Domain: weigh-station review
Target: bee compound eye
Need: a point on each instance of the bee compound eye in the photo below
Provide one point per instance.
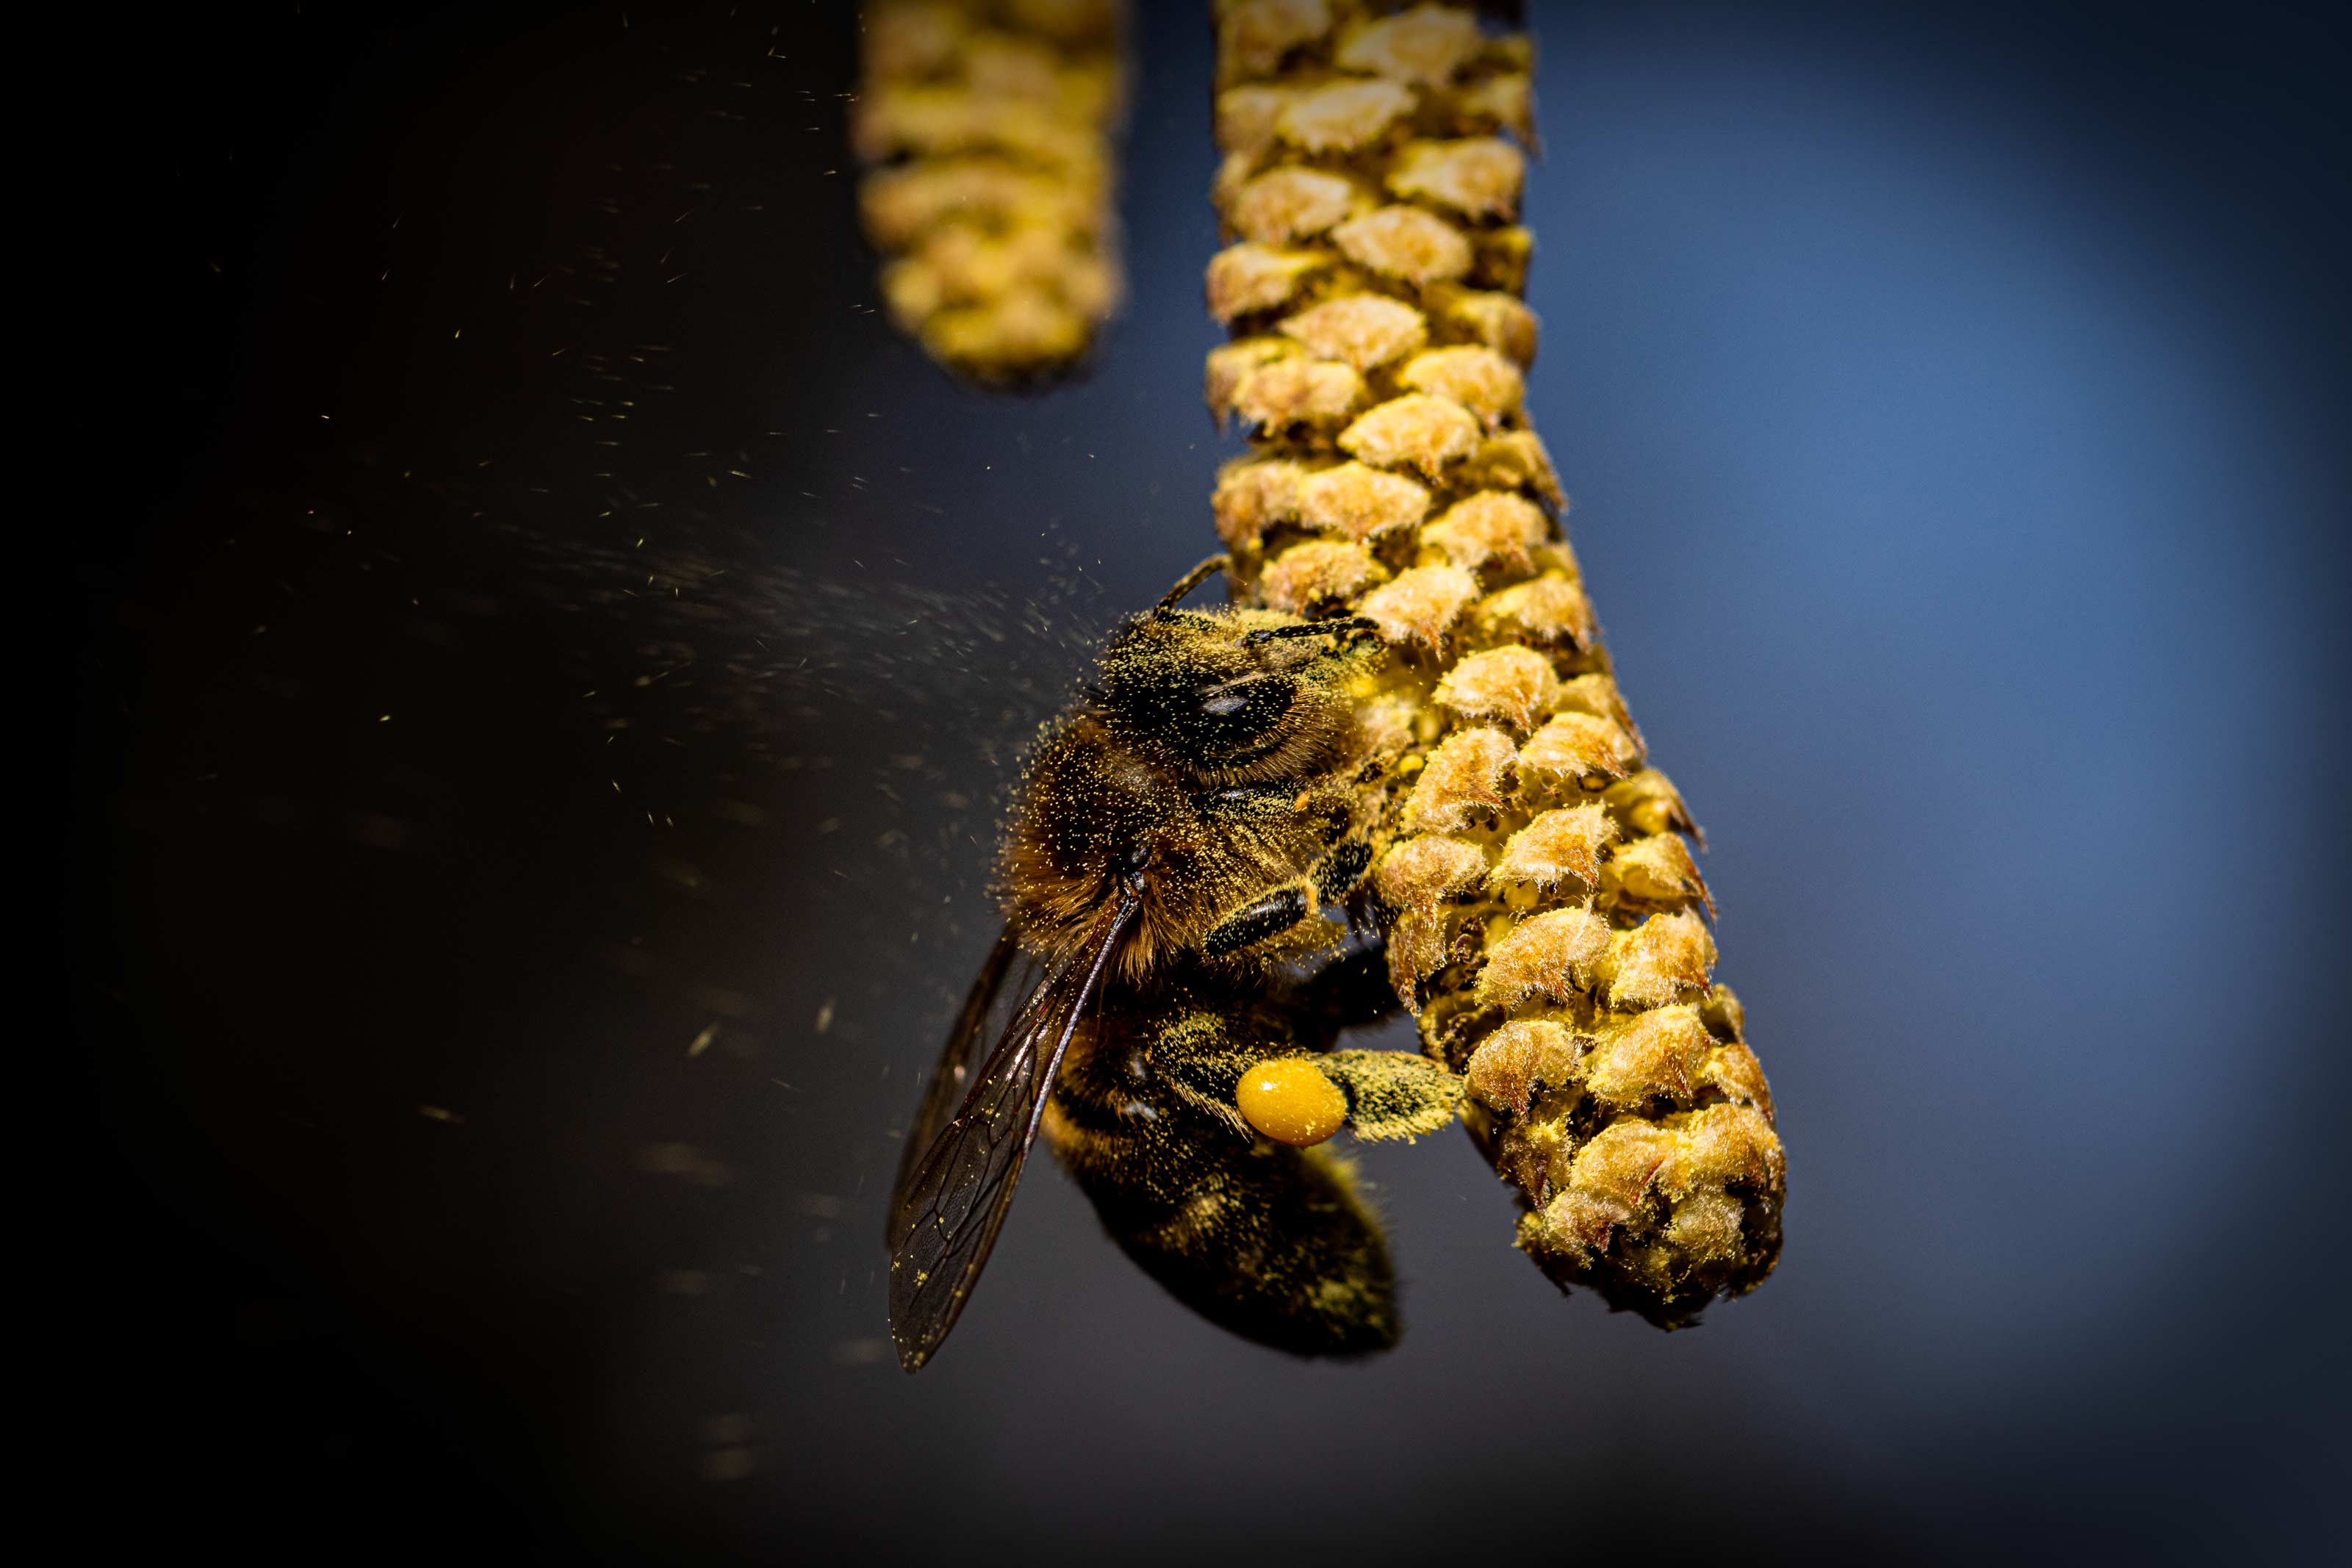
(1290, 1100)
(1223, 704)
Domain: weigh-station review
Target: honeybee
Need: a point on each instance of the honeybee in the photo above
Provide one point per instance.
(1156, 1002)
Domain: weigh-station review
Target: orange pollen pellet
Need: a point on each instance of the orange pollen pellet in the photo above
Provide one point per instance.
(1291, 1102)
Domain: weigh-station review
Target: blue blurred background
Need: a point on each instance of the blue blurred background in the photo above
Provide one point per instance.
(549, 680)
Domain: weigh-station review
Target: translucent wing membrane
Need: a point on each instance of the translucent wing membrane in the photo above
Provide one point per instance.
(947, 1215)
(1005, 983)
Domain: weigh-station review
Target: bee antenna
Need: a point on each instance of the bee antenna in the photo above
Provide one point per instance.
(1189, 581)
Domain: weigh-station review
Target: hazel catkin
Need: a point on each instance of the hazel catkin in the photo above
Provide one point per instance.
(1546, 921)
(986, 129)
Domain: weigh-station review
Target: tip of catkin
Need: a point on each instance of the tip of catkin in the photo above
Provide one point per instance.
(1647, 1144)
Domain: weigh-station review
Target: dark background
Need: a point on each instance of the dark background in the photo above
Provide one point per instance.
(534, 617)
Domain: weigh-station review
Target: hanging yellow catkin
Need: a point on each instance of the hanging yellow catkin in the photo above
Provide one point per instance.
(986, 128)
(1546, 921)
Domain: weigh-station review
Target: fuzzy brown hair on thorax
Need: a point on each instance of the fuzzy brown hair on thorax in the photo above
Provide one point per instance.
(1216, 763)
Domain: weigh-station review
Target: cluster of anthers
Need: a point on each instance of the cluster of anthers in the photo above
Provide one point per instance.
(1546, 920)
(987, 127)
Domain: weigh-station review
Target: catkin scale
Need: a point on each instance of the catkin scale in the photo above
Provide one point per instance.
(1546, 922)
(985, 128)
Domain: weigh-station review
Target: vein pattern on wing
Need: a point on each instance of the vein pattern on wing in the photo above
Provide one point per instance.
(948, 1217)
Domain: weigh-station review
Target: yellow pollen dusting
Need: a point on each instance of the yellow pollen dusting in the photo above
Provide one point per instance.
(1497, 320)
(1360, 502)
(1421, 604)
(1405, 243)
(1364, 329)
(1342, 115)
(1480, 177)
(1299, 391)
(1416, 431)
(1290, 204)
(1251, 276)
(1479, 378)
(1253, 36)
(1229, 366)
(1308, 578)
(1427, 45)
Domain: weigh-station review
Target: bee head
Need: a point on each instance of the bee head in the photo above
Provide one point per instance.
(1237, 695)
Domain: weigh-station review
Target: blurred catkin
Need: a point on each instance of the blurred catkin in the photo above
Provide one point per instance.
(985, 127)
(1546, 921)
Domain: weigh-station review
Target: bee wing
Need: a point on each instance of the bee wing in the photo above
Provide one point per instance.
(946, 1216)
(1006, 981)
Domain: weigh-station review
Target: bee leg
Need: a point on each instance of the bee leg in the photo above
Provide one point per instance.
(1202, 1059)
(1329, 881)
(1393, 1094)
(1343, 869)
(1267, 916)
(1205, 1058)
(1268, 1240)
